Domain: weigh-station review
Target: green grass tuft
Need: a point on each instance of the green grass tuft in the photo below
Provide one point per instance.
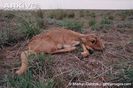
(28, 28)
(71, 25)
(39, 65)
(105, 21)
(92, 22)
(129, 75)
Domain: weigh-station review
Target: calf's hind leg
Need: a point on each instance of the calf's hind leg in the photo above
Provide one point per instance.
(24, 62)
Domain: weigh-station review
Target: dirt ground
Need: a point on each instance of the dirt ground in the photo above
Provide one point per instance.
(106, 66)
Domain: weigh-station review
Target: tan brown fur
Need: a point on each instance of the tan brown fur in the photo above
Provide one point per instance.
(59, 40)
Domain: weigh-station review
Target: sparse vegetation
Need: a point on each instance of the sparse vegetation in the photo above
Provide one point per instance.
(105, 20)
(114, 65)
(39, 65)
(3, 37)
(94, 25)
(57, 14)
(29, 29)
(20, 26)
(41, 22)
(7, 37)
(104, 23)
(111, 17)
(124, 25)
(129, 75)
(92, 15)
(33, 25)
(92, 22)
(8, 15)
(71, 25)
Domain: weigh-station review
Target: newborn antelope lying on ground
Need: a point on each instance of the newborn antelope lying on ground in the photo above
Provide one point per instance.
(59, 40)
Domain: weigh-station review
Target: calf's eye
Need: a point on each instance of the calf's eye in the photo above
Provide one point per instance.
(93, 41)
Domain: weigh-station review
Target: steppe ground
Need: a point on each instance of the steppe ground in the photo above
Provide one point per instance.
(113, 65)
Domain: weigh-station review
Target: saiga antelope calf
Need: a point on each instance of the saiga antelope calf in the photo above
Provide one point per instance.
(59, 40)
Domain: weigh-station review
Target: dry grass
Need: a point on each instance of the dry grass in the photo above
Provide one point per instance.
(114, 64)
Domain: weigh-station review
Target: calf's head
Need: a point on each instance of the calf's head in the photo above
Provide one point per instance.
(92, 42)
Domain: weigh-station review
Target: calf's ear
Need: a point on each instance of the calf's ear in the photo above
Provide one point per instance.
(83, 39)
